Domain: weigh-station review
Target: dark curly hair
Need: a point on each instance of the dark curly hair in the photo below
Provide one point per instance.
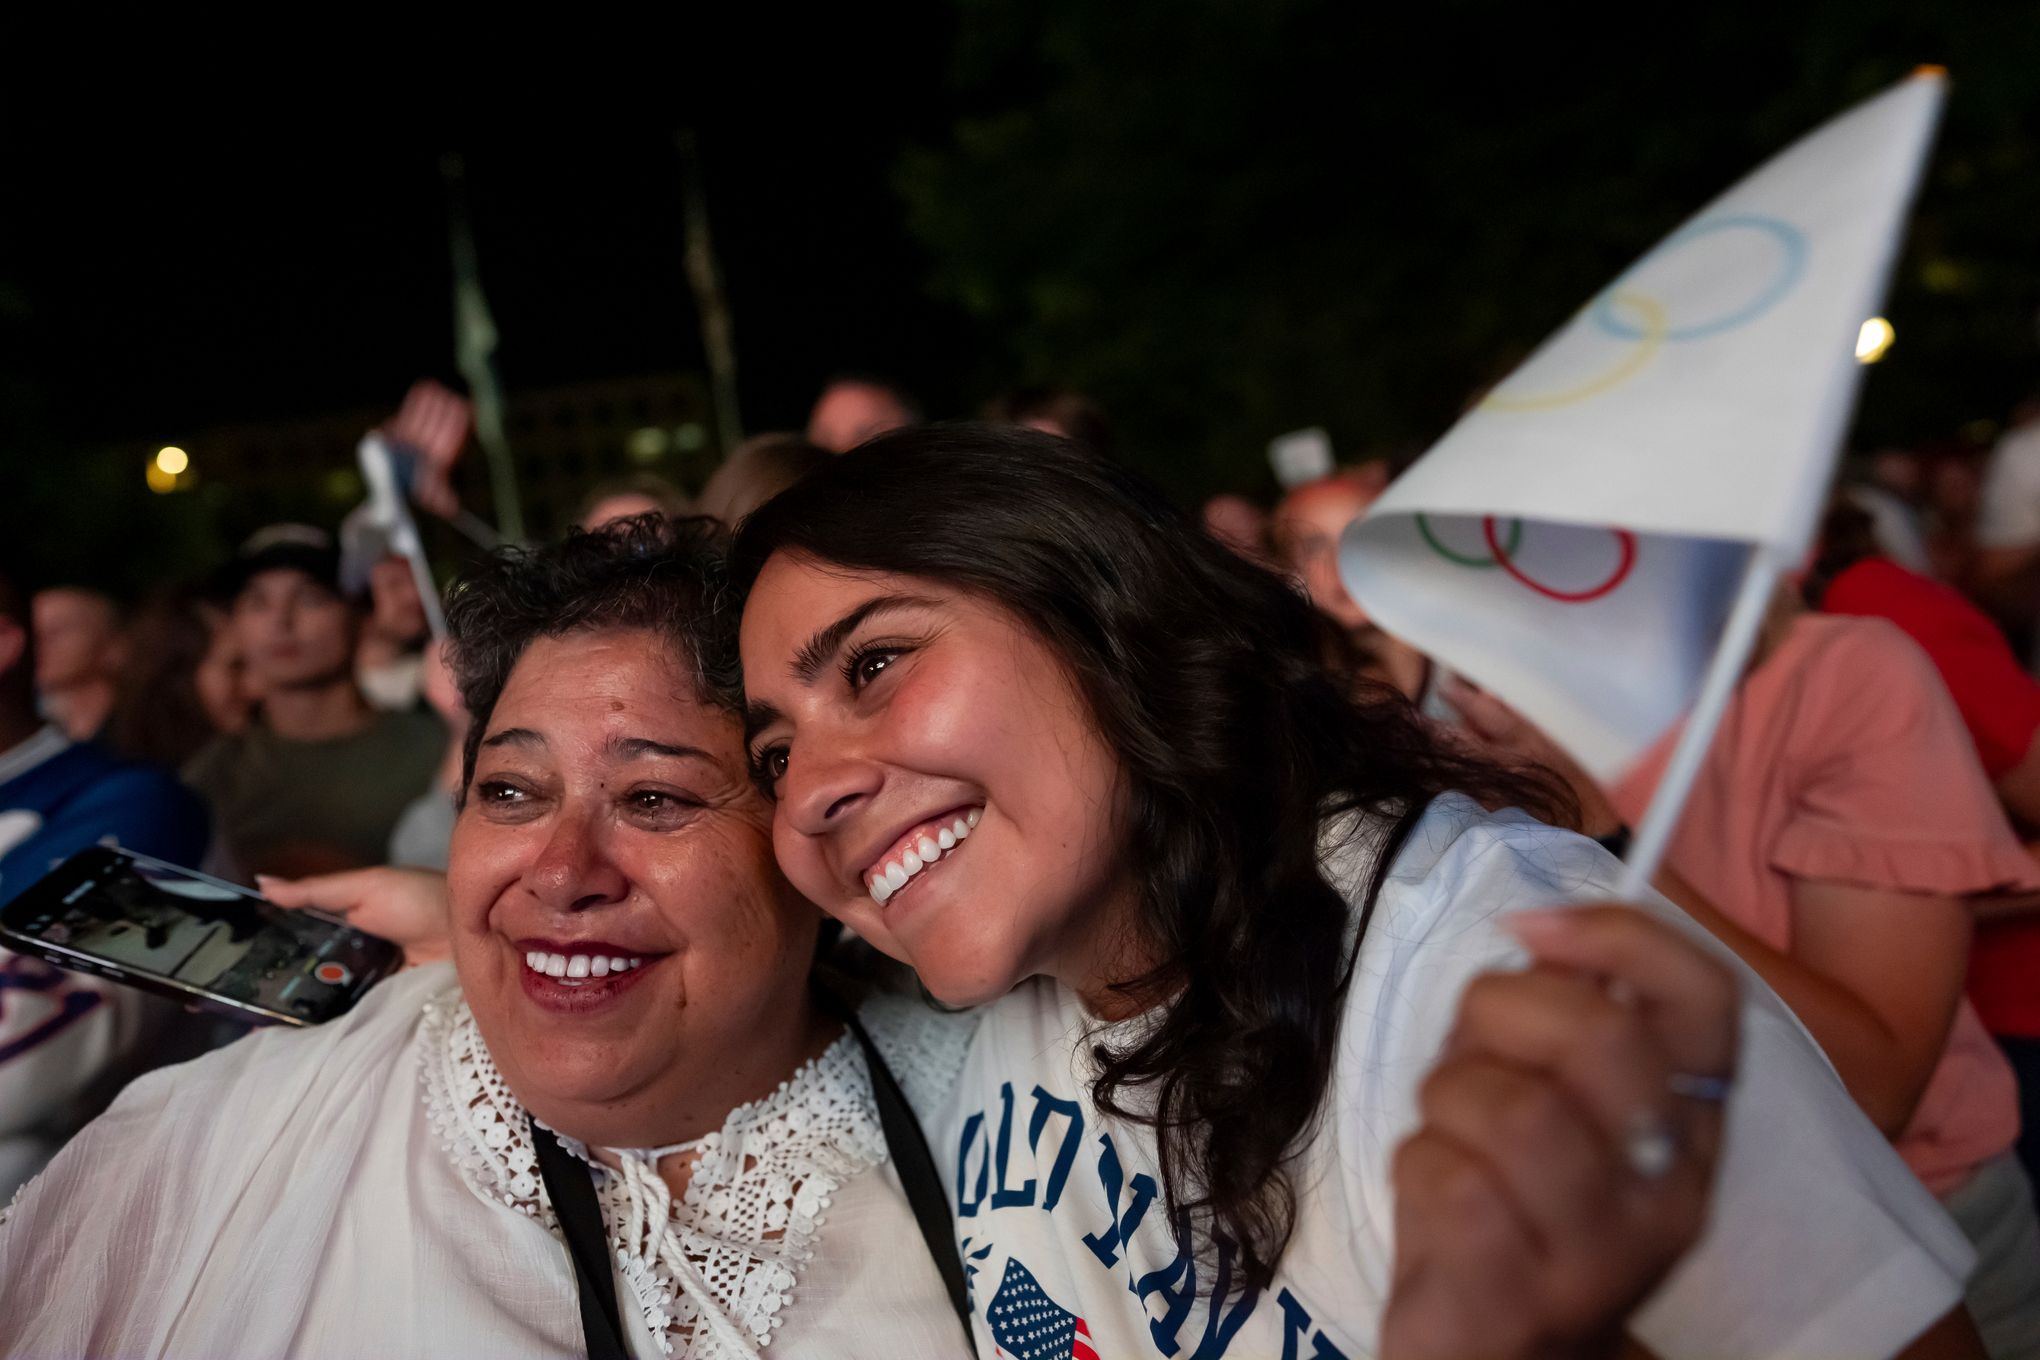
(1205, 674)
(668, 577)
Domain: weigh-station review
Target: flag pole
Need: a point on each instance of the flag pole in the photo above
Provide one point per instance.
(711, 303)
(1738, 636)
(474, 339)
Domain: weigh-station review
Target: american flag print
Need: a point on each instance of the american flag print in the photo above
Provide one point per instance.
(1029, 1325)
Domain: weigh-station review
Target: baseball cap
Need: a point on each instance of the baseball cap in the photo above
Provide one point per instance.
(296, 547)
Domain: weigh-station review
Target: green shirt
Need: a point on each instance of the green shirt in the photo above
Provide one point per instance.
(299, 807)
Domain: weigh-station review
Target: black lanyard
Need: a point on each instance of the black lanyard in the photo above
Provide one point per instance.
(571, 1187)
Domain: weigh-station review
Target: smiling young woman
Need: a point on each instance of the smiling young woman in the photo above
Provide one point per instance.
(949, 724)
(1238, 937)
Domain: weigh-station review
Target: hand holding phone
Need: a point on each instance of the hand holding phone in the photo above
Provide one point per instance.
(196, 939)
(407, 907)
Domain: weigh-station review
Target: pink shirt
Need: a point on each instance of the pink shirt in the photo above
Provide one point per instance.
(1843, 758)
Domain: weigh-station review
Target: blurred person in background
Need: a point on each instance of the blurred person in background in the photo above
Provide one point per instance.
(389, 658)
(1900, 473)
(1239, 524)
(1999, 702)
(2000, 708)
(757, 470)
(1895, 522)
(1954, 510)
(1060, 411)
(160, 714)
(639, 493)
(317, 782)
(855, 407)
(230, 693)
(80, 647)
(64, 1037)
(2004, 574)
(424, 831)
(1305, 531)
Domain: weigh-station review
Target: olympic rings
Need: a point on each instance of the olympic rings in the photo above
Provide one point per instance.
(1624, 540)
(1652, 336)
(1503, 555)
(1654, 330)
(1791, 242)
(1467, 559)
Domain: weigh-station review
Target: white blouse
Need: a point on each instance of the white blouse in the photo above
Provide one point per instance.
(370, 1187)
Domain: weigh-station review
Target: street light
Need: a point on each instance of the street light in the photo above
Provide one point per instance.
(1873, 340)
(166, 469)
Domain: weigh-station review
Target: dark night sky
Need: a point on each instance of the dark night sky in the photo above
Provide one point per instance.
(181, 249)
(285, 254)
(189, 272)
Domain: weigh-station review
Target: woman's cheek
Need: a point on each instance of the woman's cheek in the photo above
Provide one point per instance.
(932, 725)
(482, 860)
(800, 860)
(722, 885)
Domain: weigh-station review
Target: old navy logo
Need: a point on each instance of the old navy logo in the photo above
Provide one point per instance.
(985, 1183)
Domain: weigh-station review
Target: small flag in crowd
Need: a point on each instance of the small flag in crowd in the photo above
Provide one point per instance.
(1575, 541)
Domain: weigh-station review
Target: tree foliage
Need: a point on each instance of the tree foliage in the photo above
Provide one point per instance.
(1230, 218)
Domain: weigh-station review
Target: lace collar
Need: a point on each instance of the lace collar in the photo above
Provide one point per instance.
(710, 1272)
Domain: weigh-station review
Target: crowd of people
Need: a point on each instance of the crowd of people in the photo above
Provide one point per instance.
(924, 893)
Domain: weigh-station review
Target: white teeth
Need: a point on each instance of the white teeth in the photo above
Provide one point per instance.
(973, 815)
(924, 851)
(576, 966)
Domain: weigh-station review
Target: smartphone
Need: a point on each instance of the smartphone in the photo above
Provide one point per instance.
(196, 939)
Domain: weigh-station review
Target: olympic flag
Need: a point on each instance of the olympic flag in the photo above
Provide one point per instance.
(1612, 516)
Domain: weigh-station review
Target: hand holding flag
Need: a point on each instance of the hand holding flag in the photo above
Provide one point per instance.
(433, 423)
(1602, 533)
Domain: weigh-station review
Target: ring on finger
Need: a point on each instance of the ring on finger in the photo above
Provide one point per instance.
(1651, 1149)
(1694, 1086)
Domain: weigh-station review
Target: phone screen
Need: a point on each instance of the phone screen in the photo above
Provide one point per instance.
(168, 929)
